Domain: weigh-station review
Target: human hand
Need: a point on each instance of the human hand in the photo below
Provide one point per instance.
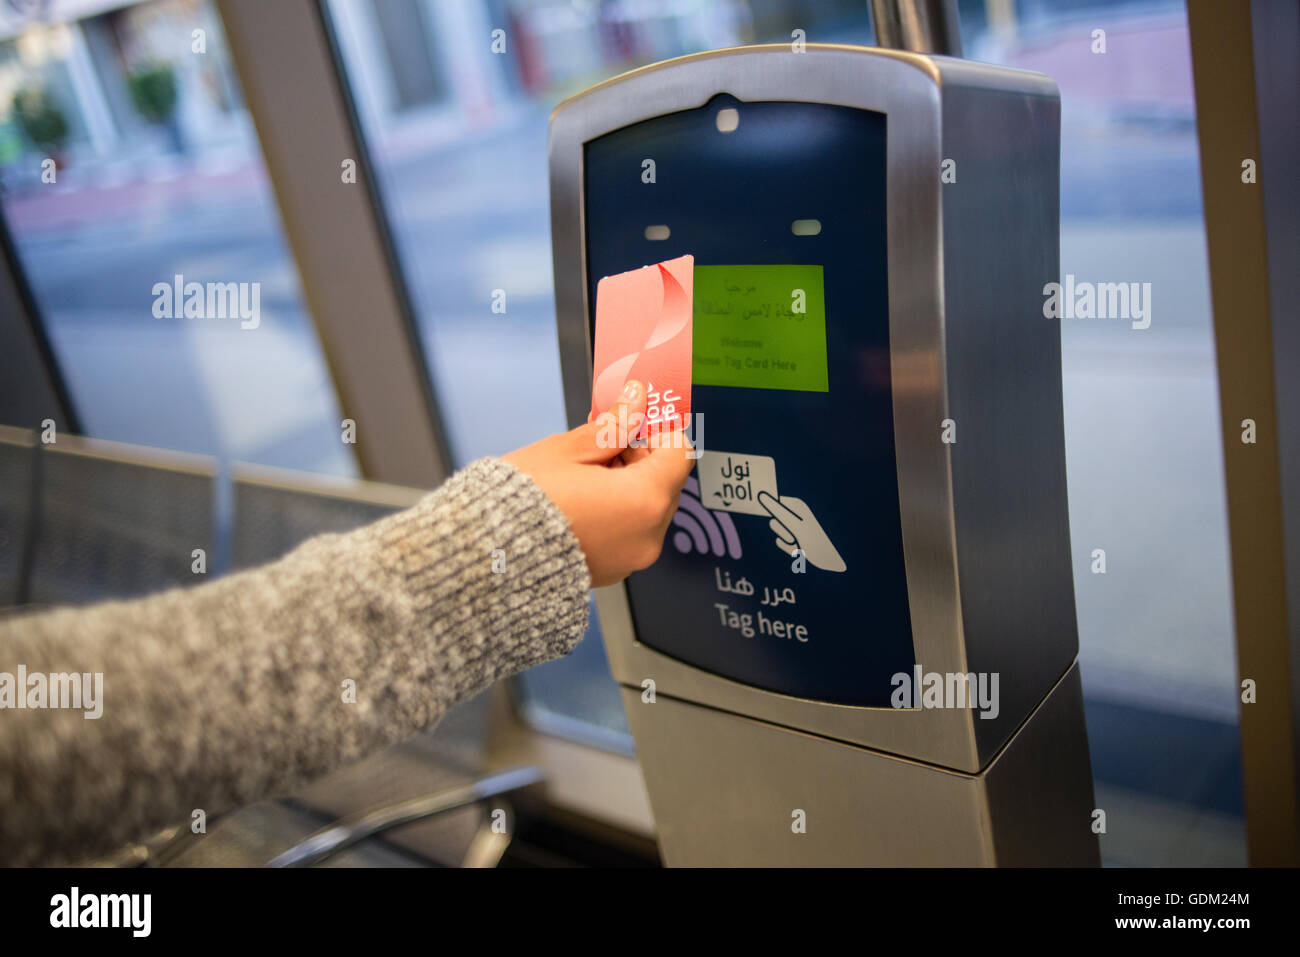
(618, 499)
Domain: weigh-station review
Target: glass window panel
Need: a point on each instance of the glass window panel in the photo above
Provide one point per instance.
(129, 164)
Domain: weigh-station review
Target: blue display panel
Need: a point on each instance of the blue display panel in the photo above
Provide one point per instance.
(782, 468)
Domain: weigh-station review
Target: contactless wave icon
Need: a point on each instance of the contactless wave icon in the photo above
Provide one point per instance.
(702, 530)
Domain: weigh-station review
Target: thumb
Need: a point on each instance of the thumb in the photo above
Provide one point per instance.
(669, 458)
(608, 435)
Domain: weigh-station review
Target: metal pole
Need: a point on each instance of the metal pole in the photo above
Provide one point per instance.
(921, 26)
(1241, 59)
(344, 833)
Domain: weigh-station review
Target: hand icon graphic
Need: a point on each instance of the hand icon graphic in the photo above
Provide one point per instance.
(796, 527)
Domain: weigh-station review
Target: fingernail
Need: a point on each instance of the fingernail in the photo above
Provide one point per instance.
(631, 389)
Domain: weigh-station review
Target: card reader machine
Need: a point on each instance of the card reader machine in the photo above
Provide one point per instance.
(859, 644)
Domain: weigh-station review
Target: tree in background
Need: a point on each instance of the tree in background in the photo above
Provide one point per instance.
(153, 91)
(42, 122)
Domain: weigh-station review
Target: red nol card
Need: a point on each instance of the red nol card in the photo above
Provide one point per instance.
(643, 332)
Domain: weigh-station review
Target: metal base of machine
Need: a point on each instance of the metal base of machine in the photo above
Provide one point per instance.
(727, 790)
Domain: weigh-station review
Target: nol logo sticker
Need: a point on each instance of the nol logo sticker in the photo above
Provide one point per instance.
(731, 481)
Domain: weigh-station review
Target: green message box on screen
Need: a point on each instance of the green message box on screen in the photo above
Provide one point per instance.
(760, 327)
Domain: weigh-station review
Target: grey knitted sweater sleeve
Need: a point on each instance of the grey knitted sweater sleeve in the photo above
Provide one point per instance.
(240, 689)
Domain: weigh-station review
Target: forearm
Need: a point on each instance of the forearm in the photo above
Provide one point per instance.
(240, 689)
